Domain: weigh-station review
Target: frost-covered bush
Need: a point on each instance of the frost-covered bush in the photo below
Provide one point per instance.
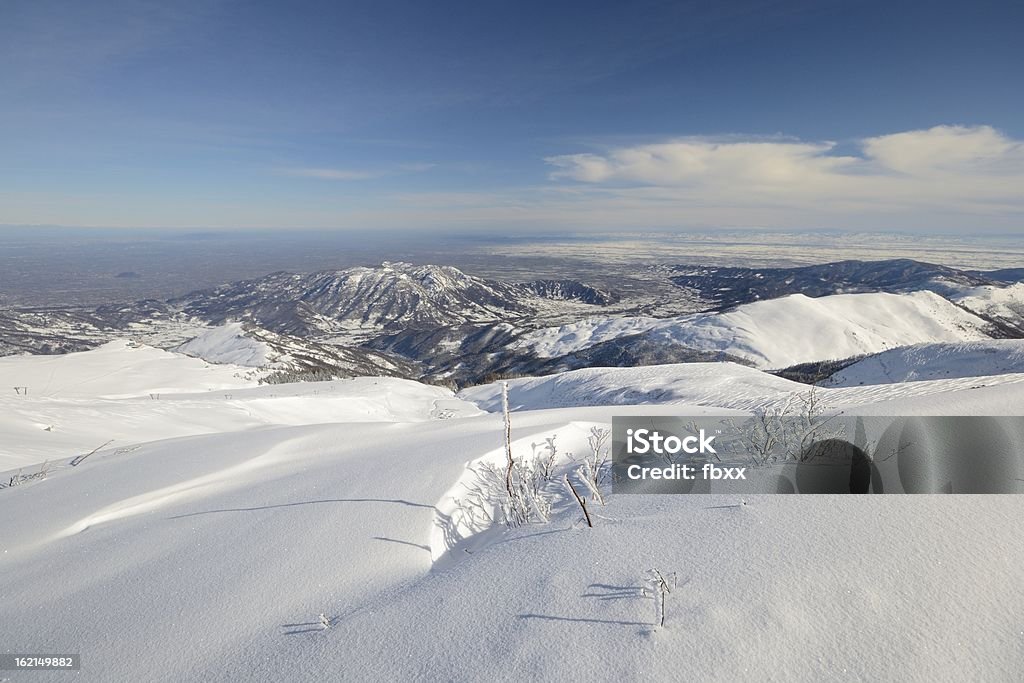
(519, 491)
(594, 471)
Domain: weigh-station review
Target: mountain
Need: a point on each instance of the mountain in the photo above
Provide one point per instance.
(786, 331)
(390, 298)
(570, 290)
(1006, 276)
(922, 362)
(48, 331)
(1003, 306)
(292, 359)
(429, 321)
(727, 287)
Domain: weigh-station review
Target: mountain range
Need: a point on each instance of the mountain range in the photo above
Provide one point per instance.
(441, 324)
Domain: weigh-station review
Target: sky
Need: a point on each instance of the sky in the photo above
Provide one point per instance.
(509, 117)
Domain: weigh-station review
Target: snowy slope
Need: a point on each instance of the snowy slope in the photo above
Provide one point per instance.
(1003, 304)
(727, 386)
(788, 331)
(210, 558)
(129, 395)
(558, 341)
(724, 385)
(934, 361)
(227, 343)
(117, 369)
(293, 358)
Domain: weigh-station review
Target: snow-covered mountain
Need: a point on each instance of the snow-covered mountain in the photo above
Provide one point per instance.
(47, 331)
(292, 359)
(726, 287)
(172, 518)
(1004, 306)
(782, 332)
(440, 323)
(392, 297)
(922, 362)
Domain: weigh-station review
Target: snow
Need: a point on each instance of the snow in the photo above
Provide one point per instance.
(723, 385)
(558, 341)
(1001, 395)
(934, 361)
(227, 344)
(997, 302)
(118, 369)
(796, 329)
(211, 556)
(128, 395)
(727, 386)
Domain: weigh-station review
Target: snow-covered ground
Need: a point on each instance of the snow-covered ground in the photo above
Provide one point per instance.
(118, 369)
(796, 329)
(126, 394)
(934, 361)
(735, 387)
(228, 344)
(1001, 303)
(723, 385)
(211, 556)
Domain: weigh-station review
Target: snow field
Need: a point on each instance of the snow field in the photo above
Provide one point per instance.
(210, 556)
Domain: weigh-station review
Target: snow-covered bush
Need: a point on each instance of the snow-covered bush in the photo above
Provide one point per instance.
(520, 491)
(594, 470)
(513, 497)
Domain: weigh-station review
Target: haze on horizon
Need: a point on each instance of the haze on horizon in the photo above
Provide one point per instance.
(513, 117)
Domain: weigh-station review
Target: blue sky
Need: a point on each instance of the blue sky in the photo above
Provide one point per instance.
(512, 116)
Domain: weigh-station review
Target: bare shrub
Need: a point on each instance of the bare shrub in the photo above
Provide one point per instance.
(660, 587)
(579, 499)
(19, 478)
(784, 432)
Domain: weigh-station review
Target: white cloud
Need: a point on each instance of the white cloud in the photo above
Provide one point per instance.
(947, 179)
(966, 171)
(957, 150)
(693, 161)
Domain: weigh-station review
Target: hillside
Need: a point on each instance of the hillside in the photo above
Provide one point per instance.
(728, 287)
(213, 556)
(122, 395)
(922, 362)
(783, 332)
